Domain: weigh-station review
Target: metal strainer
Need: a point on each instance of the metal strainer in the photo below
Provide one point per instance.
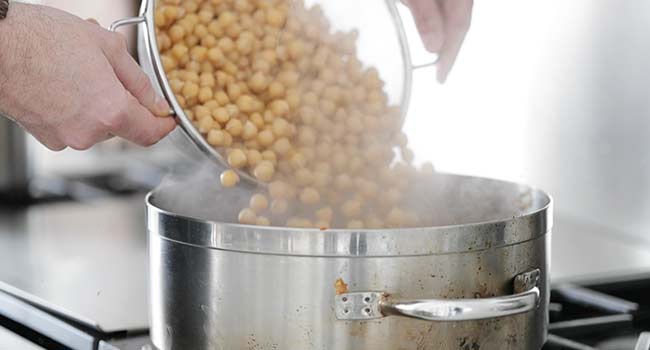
(400, 81)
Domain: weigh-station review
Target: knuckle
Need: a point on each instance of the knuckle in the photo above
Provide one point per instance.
(115, 117)
(80, 143)
(117, 43)
(54, 146)
(459, 21)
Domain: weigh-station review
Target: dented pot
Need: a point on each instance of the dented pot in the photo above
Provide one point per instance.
(477, 281)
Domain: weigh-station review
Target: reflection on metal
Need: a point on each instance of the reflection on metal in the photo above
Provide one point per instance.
(596, 299)
(44, 323)
(644, 342)
(375, 305)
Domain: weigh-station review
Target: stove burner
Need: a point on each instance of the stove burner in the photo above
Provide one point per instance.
(606, 316)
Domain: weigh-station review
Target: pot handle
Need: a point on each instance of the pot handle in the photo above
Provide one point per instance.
(375, 305)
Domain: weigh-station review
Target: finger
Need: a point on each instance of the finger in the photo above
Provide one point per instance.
(458, 16)
(138, 125)
(429, 22)
(92, 20)
(134, 79)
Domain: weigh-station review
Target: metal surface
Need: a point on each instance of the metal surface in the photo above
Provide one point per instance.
(44, 323)
(493, 218)
(14, 161)
(643, 342)
(85, 261)
(11, 341)
(596, 299)
(271, 294)
(375, 305)
(567, 344)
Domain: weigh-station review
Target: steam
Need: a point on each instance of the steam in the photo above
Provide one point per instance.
(194, 189)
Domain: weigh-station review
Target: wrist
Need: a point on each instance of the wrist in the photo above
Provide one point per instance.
(11, 53)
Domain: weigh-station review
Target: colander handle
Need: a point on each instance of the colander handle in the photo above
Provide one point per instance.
(407, 41)
(126, 22)
(374, 305)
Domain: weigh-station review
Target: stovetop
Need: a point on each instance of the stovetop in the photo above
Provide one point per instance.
(612, 315)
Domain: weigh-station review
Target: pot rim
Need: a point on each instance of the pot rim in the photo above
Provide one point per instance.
(458, 238)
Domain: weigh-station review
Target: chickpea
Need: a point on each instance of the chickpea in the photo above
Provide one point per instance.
(355, 224)
(234, 127)
(264, 171)
(226, 44)
(279, 108)
(205, 124)
(216, 138)
(190, 90)
(221, 97)
(270, 156)
(279, 206)
(262, 221)
(205, 94)
(245, 43)
(259, 202)
(258, 82)
(246, 103)
(351, 208)
(325, 214)
(281, 146)
(280, 127)
(276, 89)
(310, 196)
(229, 179)
(237, 158)
(176, 33)
(265, 138)
(247, 217)
(275, 17)
(227, 18)
(250, 131)
(257, 120)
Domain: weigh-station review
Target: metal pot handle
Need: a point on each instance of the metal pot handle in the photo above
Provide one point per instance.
(374, 305)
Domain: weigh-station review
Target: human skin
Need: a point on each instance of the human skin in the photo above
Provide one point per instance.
(443, 25)
(71, 83)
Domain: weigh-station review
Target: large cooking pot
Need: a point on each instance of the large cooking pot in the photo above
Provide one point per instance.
(477, 280)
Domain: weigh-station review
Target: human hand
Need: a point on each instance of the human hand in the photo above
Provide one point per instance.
(443, 25)
(71, 83)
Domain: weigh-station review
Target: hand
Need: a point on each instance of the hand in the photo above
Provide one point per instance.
(442, 25)
(71, 83)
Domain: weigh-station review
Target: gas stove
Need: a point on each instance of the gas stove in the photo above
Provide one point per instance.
(612, 315)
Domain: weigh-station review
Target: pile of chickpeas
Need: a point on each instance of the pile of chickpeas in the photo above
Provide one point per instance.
(285, 99)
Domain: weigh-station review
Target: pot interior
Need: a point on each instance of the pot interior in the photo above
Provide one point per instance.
(447, 199)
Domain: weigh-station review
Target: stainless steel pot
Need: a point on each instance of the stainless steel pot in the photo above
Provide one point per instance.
(477, 280)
